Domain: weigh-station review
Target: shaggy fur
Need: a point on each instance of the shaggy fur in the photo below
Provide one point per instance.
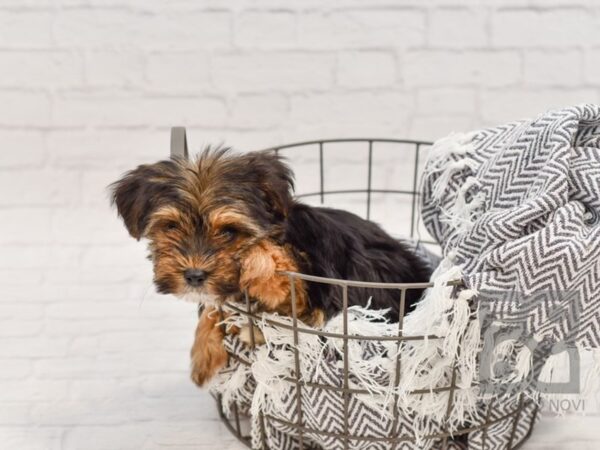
(232, 220)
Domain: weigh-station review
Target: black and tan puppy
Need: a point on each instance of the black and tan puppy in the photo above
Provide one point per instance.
(226, 223)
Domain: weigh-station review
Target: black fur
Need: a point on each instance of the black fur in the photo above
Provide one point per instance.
(141, 191)
(339, 244)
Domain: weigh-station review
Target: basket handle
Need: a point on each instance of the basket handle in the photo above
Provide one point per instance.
(179, 147)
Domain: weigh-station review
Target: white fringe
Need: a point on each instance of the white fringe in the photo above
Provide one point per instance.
(440, 160)
(460, 214)
(425, 364)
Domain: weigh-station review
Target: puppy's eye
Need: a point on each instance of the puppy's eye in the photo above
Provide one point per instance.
(228, 233)
(170, 226)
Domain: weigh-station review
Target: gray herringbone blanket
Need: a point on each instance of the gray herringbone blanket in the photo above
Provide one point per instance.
(518, 209)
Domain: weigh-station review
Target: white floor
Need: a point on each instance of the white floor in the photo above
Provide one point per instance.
(113, 375)
(188, 420)
(566, 433)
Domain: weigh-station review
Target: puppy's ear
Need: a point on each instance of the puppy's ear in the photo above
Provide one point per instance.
(141, 191)
(276, 179)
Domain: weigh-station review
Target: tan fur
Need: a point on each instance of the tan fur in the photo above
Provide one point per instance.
(245, 336)
(224, 216)
(208, 353)
(317, 318)
(262, 278)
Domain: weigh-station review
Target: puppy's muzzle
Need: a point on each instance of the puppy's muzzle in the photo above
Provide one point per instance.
(194, 277)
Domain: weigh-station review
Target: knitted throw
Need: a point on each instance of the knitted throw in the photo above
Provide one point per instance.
(517, 209)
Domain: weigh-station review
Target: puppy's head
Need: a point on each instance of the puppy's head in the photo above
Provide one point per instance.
(201, 216)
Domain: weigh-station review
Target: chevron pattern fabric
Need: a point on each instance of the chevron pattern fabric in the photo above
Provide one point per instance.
(322, 411)
(499, 435)
(323, 417)
(519, 207)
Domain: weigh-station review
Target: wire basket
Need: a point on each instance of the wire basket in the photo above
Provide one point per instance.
(367, 200)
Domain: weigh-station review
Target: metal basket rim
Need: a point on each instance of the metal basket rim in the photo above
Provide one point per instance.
(367, 284)
(340, 140)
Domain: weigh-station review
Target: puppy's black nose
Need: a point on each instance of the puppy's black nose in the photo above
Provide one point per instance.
(194, 277)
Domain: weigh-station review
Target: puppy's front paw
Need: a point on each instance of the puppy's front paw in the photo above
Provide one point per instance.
(199, 373)
(204, 370)
(246, 336)
(208, 354)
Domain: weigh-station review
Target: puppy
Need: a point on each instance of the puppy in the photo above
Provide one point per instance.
(225, 224)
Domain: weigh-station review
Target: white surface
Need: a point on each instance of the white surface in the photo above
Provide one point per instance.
(90, 358)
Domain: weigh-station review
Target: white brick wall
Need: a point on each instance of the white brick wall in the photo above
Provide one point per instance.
(90, 357)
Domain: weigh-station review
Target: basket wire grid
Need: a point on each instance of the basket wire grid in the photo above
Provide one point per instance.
(237, 416)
